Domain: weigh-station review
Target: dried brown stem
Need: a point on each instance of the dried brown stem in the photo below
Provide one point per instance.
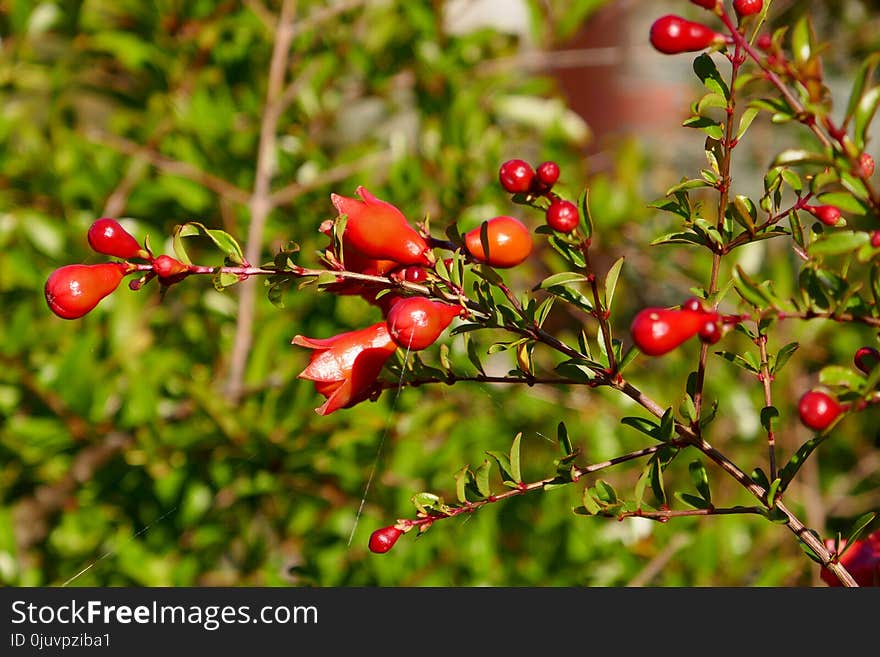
(260, 202)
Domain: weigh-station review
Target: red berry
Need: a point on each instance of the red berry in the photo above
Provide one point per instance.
(875, 239)
(818, 410)
(706, 4)
(866, 165)
(384, 539)
(562, 216)
(764, 42)
(827, 214)
(710, 331)
(547, 173)
(866, 359)
(509, 241)
(415, 274)
(415, 323)
(656, 331)
(747, 7)
(169, 269)
(674, 34)
(516, 176)
(107, 236)
(694, 305)
(73, 290)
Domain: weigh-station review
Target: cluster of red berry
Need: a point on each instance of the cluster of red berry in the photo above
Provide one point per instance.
(672, 34)
(656, 331)
(377, 240)
(518, 177)
(73, 290)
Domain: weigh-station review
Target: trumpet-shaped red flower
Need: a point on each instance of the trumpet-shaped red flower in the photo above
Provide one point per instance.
(379, 230)
(862, 561)
(353, 260)
(344, 367)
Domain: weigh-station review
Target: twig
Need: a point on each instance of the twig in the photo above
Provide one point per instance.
(171, 166)
(260, 203)
(293, 191)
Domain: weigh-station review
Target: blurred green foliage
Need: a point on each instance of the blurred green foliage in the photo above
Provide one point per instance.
(121, 460)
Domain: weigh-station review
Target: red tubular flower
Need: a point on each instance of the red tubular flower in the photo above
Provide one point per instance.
(344, 367)
(355, 261)
(862, 561)
(379, 230)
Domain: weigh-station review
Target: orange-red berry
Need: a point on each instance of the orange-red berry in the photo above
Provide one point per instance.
(73, 290)
(509, 242)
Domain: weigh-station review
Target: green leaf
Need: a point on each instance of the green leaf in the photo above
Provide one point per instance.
(687, 409)
(643, 424)
(839, 242)
(426, 501)
(857, 529)
(801, 156)
(692, 500)
(782, 357)
(760, 478)
(586, 216)
(864, 114)
(773, 491)
(503, 461)
(515, 470)
(589, 502)
(738, 360)
(711, 127)
(605, 492)
(481, 477)
(462, 478)
(839, 376)
(864, 75)
(802, 40)
(563, 439)
(746, 120)
(223, 240)
(844, 201)
(768, 414)
(787, 473)
(701, 479)
(562, 278)
(686, 184)
(473, 356)
(667, 426)
(709, 101)
(704, 67)
(611, 281)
